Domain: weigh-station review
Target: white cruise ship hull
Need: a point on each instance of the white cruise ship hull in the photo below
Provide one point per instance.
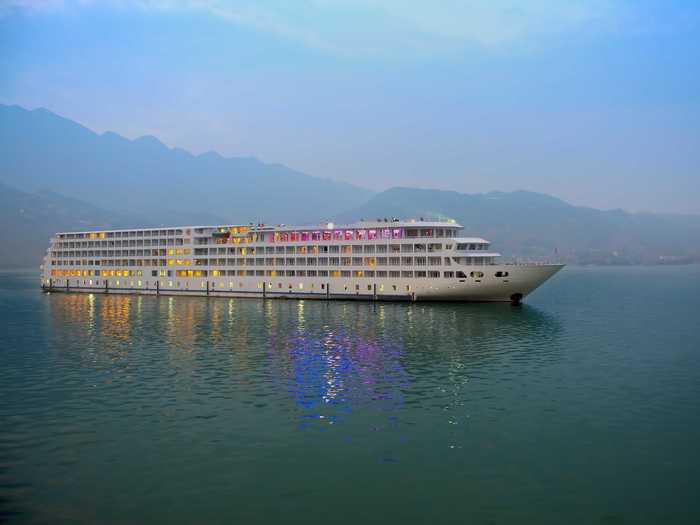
(378, 261)
(520, 282)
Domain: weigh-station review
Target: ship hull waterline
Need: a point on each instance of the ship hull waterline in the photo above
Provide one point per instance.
(521, 281)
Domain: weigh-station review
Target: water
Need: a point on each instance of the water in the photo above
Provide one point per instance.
(582, 406)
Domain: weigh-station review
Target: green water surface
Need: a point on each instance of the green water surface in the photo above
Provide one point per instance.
(581, 406)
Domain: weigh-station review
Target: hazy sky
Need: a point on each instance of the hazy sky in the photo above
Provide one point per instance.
(597, 102)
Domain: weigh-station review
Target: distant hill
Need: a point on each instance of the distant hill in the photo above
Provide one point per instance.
(40, 150)
(56, 175)
(537, 226)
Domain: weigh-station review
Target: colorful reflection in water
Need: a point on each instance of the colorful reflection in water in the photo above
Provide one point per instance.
(126, 409)
(333, 367)
(330, 360)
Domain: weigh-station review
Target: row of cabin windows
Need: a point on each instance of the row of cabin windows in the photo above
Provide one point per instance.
(122, 234)
(117, 253)
(222, 236)
(288, 250)
(325, 261)
(312, 249)
(268, 273)
(279, 261)
(120, 244)
(316, 249)
(118, 283)
(112, 262)
(461, 246)
(358, 234)
(361, 234)
(356, 274)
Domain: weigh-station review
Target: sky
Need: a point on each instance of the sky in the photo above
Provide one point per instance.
(596, 102)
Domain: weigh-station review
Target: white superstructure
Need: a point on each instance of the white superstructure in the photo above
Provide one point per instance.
(373, 260)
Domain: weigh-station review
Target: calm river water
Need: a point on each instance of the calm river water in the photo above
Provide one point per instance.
(581, 406)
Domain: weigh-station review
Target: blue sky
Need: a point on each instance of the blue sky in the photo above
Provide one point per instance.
(597, 102)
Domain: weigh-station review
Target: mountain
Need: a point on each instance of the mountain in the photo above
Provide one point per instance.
(537, 226)
(40, 150)
(56, 175)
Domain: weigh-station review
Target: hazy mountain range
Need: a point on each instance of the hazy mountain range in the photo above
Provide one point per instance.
(57, 175)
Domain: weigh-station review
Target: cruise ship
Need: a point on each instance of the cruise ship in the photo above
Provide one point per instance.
(387, 259)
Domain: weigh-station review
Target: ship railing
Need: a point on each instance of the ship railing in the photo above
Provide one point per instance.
(528, 263)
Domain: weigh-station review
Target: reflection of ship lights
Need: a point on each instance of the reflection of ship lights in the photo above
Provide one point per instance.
(339, 371)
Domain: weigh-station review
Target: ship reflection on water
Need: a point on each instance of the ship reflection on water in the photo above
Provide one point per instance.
(127, 409)
(325, 360)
